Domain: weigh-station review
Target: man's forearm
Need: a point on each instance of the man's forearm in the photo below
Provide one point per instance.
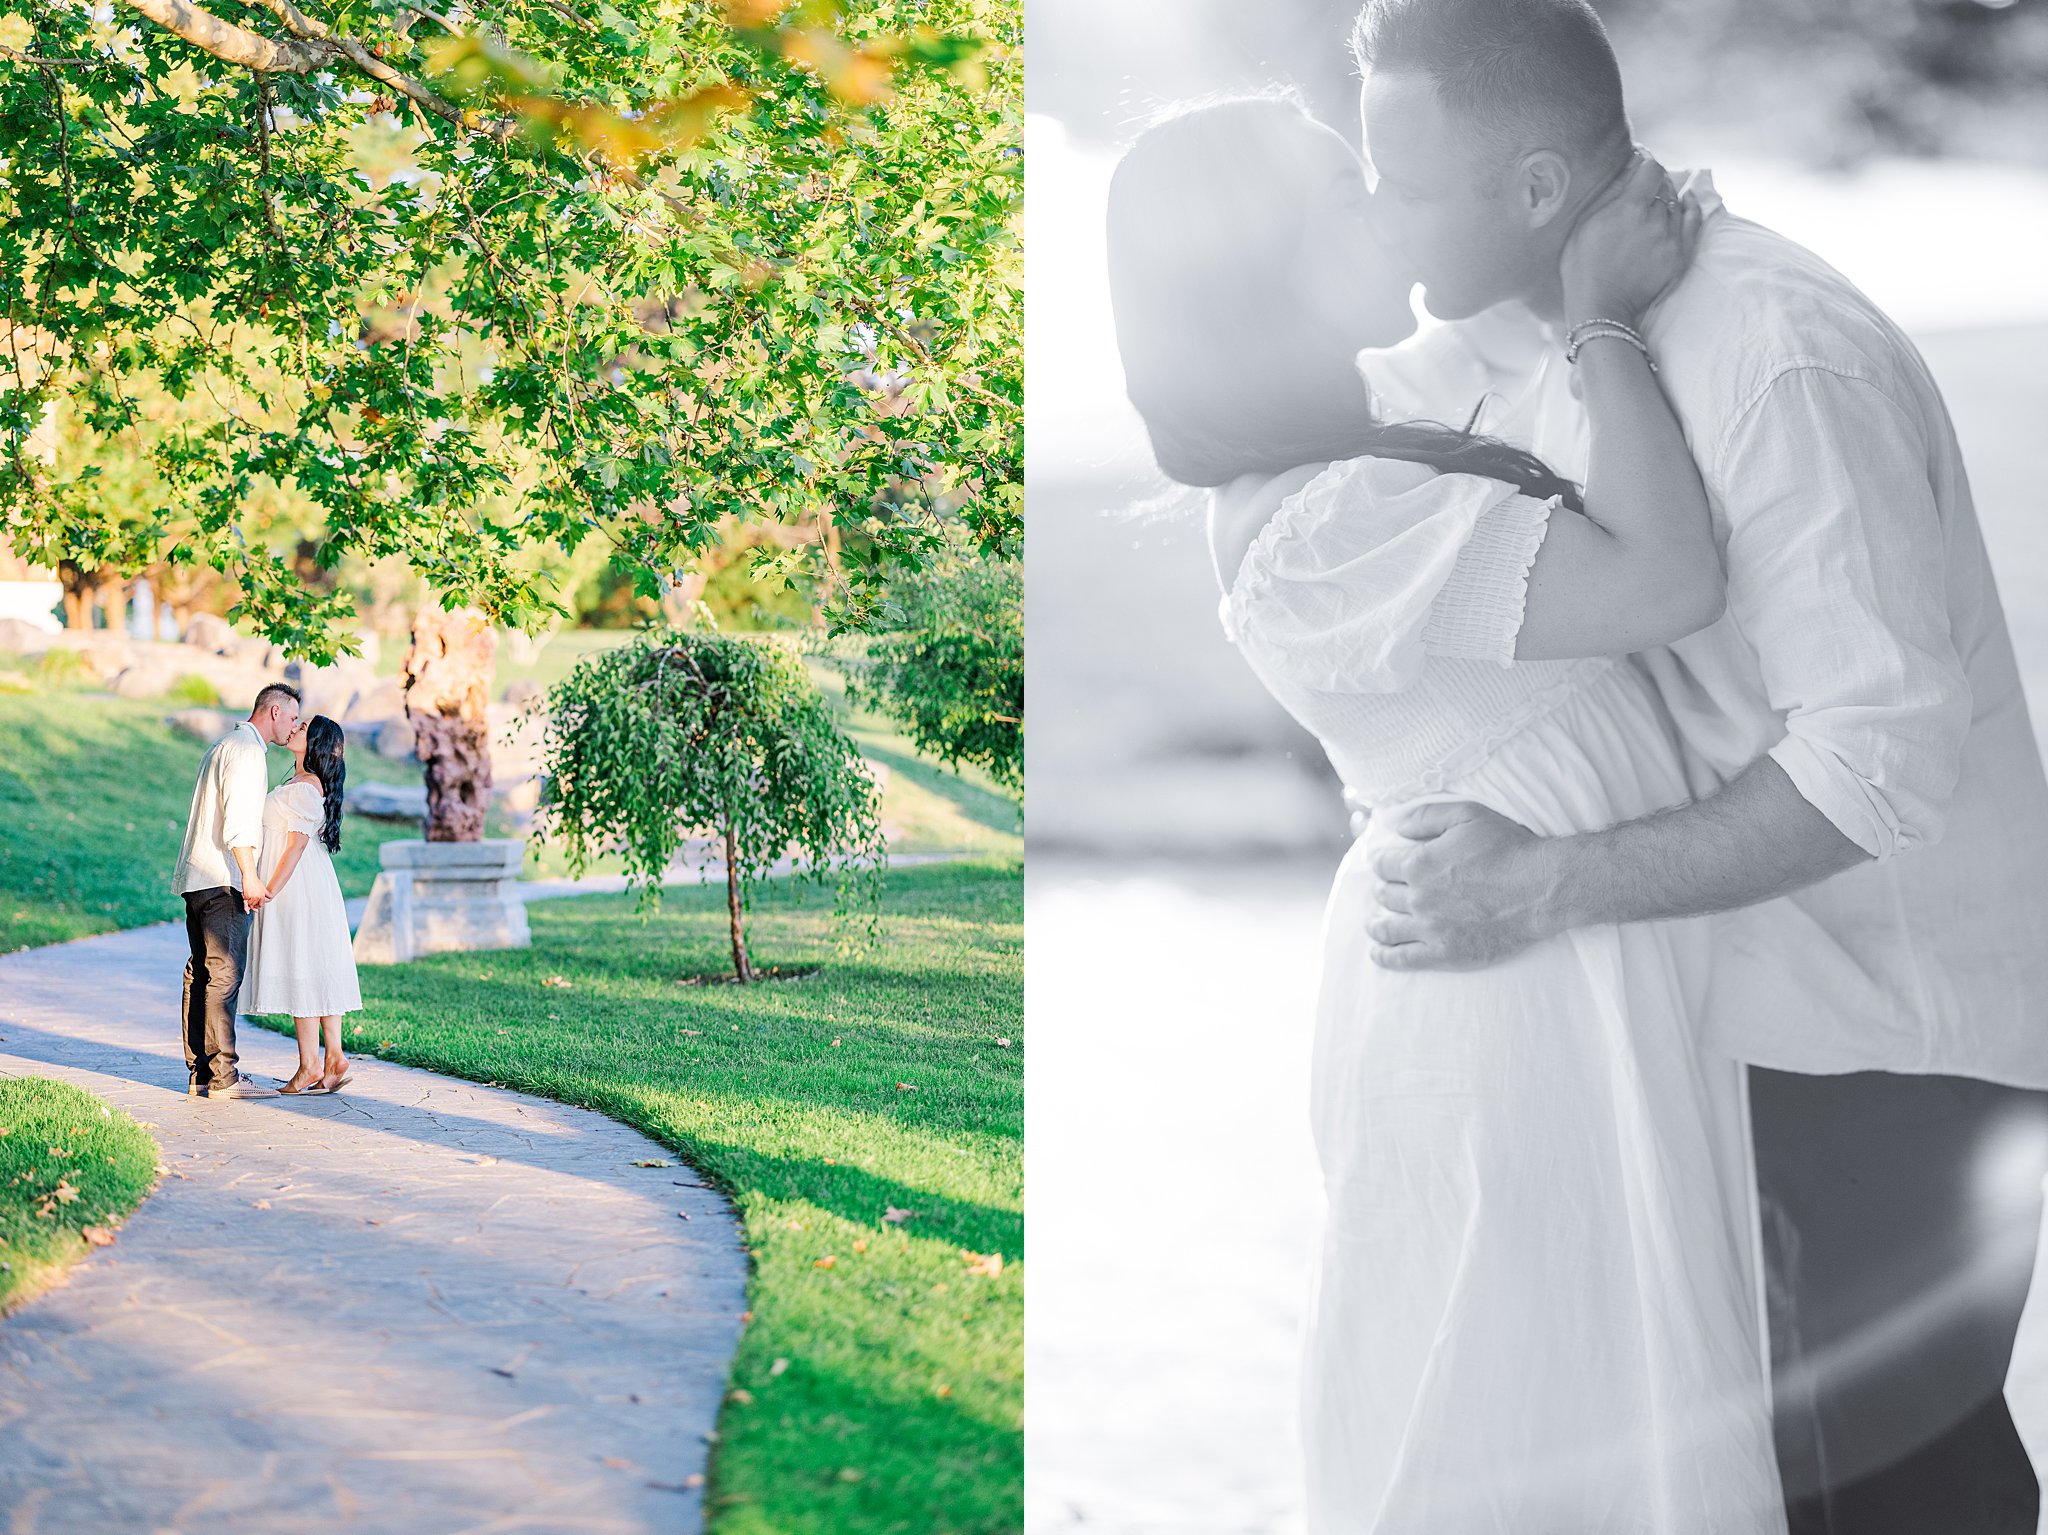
(245, 859)
(1755, 839)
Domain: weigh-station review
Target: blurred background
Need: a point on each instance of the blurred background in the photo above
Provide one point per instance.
(1182, 832)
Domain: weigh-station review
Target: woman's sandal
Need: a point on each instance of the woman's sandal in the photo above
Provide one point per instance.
(302, 1088)
(336, 1084)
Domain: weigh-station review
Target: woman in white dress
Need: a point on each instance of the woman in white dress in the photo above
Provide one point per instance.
(1536, 1310)
(300, 958)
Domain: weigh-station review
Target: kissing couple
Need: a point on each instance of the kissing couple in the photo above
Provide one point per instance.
(1643, 602)
(263, 908)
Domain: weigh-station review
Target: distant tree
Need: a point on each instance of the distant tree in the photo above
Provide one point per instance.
(947, 660)
(682, 733)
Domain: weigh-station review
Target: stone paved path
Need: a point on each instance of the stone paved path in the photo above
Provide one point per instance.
(421, 1307)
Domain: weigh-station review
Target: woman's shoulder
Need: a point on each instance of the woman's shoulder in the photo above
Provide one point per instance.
(1339, 512)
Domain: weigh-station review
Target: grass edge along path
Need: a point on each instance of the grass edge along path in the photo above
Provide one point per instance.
(72, 1169)
(867, 1124)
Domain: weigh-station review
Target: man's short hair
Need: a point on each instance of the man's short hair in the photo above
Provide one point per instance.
(1527, 74)
(270, 693)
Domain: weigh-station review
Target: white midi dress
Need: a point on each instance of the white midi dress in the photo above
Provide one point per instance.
(300, 958)
(1536, 1311)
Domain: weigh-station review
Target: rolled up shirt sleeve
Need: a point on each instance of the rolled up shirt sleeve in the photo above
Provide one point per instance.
(1836, 574)
(242, 789)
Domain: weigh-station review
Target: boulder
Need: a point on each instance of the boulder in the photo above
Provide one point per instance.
(202, 725)
(381, 701)
(387, 801)
(331, 690)
(22, 638)
(143, 680)
(395, 739)
(210, 632)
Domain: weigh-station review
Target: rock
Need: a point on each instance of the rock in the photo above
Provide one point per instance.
(142, 681)
(523, 692)
(388, 801)
(395, 738)
(331, 690)
(381, 701)
(202, 725)
(209, 631)
(22, 638)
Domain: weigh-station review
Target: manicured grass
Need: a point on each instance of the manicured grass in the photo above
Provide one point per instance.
(68, 1164)
(94, 791)
(93, 796)
(820, 1105)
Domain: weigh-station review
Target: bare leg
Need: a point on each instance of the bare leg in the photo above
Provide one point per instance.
(336, 1065)
(308, 1031)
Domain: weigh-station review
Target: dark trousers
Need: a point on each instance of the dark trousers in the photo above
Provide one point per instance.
(1900, 1220)
(217, 927)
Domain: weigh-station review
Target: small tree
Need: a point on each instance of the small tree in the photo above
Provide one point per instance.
(949, 664)
(681, 733)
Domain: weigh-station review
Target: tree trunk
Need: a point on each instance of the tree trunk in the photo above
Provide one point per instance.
(740, 966)
(447, 697)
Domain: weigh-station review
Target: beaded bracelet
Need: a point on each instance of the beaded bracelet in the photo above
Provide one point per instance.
(1593, 330)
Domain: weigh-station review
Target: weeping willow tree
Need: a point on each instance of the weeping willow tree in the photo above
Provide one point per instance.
(683, 733)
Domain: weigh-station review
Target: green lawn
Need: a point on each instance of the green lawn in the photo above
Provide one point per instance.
(878, 1389)
(68, 1164)
(93, 796)
(94, 790)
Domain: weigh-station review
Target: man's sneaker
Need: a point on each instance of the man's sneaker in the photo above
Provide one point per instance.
(195, 1089)
(243, 1086)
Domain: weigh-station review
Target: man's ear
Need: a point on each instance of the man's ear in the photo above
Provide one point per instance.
(1543, 186)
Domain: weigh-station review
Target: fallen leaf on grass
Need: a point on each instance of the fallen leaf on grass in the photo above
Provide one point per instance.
(778, 1367)
(688, 1031)
(98, 1236)
(828, 1261)
(896, 1217)
(835, 1044)
(1004, 1043)
(65, 1192)
(850, 1475)
(860, 1244)
(942, 1389)
(556, 980)
(743, 1396)
(990, 1264)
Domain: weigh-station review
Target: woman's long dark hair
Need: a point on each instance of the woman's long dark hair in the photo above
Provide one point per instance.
(324, 760)
(1230, 370)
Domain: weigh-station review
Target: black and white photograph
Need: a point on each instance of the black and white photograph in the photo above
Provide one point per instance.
(1537, 869)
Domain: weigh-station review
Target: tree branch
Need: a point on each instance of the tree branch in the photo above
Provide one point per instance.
(233, 44)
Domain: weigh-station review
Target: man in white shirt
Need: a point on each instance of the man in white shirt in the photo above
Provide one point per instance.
(1857, 735)
(217, 877)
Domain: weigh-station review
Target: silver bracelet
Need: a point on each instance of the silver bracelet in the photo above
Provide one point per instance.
(1594, 330)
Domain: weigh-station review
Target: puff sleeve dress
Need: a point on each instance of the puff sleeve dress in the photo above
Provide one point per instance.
(300, 958)
(1536, 1310)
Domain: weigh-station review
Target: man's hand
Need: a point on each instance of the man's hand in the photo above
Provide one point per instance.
(254, 894)
(1466, 890)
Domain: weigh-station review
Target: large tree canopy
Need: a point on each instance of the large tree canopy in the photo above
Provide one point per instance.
(461, 285)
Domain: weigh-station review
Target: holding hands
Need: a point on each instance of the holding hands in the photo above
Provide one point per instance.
(1631, 243)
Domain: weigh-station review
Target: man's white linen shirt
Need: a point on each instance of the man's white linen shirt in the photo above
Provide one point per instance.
(227, 811)
(1864, 649)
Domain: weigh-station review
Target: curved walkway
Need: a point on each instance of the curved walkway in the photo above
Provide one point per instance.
(422, 1305)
